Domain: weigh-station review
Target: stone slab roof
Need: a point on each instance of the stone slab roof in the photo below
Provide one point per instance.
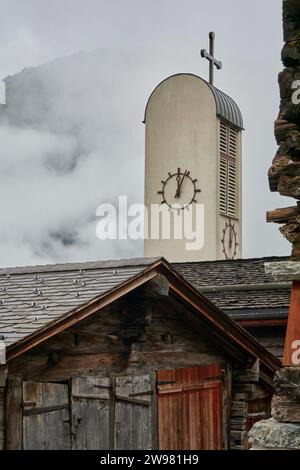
(34, 296)
(240, 287)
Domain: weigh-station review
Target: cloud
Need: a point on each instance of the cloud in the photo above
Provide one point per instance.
(67, 147)
(74, 138)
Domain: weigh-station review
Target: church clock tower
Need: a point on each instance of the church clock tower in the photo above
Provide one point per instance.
(193, 156)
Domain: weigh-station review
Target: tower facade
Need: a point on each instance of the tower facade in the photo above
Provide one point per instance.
(193, 157)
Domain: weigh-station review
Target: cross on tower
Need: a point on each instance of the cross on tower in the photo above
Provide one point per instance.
(210, 57)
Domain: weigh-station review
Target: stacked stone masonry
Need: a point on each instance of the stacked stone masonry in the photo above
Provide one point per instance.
(284, 174)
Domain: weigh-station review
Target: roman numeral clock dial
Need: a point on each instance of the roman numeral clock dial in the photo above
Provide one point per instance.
(179, 190)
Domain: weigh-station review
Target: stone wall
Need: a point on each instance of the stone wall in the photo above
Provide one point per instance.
(282, 431)
(284, 174)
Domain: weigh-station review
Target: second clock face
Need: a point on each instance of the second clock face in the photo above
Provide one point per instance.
(179, 189)
(229, 240)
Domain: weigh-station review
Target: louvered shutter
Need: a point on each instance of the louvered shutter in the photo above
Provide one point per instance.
(231, 189)
(223, 186)
(223, 138)
(228, 170)
(232, 142)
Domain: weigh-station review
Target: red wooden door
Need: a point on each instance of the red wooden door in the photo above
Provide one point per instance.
(190, 409)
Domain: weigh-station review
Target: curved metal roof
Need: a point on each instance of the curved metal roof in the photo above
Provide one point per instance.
(225, 105)
(227, 108)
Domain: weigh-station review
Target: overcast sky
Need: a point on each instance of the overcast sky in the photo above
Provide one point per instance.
(158, 38)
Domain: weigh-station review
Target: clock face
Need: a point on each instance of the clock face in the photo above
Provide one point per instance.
(179, 189)
(229, 240)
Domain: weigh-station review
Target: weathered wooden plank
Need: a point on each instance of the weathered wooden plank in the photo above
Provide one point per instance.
(14, 397)
(3, 375)
(242, 396)
(50, 429)
(154, 411)
(238, 423)
(156, 288)
(45, 409)
(87, 347)
(89, 396)
(237, 427)
(112, 405)
(123, 415)
(37, 367)
(282, 215)
(2, 417)
(134, 401)
(181, 414)
(90, 413)
(259, 415)
(141, 415)
(261, 393)
(244, 388)
(239, 409)
(246, 376)
(237, 438)
(132, 414)
(170, 432)
(239, 406)
(227, 398)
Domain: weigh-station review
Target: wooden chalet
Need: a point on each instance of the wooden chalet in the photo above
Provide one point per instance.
(124, 355)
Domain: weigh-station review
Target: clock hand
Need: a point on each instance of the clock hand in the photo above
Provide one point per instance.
(177, 194)
(180, 184)
(230, 238)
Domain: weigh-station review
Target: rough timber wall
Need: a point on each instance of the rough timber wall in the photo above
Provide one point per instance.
(3, 376)
(97, 345)
(284, 174)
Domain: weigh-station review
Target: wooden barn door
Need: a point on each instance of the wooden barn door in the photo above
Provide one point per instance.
(112, 413)
(90, 401)
(190, 409)
(46, 420)
(134, 413)
(89, 413)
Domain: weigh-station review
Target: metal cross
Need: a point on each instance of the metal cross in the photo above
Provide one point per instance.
(210, 57)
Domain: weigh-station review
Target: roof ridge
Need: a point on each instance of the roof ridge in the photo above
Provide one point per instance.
(80, 265)
(226, 261)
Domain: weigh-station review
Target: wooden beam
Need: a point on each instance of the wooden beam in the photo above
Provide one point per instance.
(262, 322)
(282, 215)
(246, 375)
(293, 328)
(3, 375)
(14, 414)
(156, 288)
